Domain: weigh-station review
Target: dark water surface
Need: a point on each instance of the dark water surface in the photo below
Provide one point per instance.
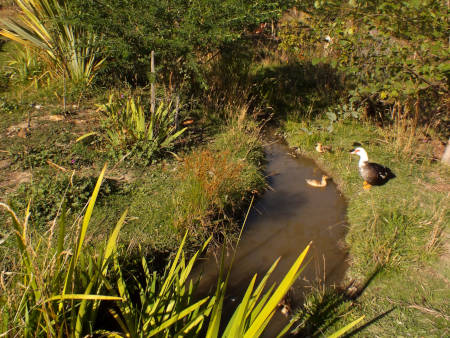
(282, 222)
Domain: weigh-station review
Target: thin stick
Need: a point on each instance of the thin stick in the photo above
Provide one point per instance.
(152, 85)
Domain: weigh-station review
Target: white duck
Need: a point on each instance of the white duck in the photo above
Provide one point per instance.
(372, 173)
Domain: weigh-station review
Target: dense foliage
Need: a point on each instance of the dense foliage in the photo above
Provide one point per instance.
(185, 35)
(396, 53)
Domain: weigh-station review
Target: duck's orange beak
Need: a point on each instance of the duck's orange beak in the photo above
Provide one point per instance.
(355, 152)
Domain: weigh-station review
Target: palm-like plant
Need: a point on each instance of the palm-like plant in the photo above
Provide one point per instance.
(129, 125)
(69, 50)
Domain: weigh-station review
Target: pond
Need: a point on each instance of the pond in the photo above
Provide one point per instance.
(282, 222)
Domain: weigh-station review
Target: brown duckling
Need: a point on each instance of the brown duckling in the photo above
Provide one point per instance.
(322, 149)
(317, 183)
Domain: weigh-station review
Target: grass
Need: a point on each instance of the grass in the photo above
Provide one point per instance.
(396, 231)
(70, 294)
(202, 193)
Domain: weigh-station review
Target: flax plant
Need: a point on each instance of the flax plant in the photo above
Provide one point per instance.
(60, 285)
(129, 127)
(129, 122)
(69, 51)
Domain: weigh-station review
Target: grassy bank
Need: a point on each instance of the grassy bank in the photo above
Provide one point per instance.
(201, 190)
(397, 232)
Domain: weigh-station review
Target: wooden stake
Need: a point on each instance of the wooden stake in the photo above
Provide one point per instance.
(177, 108)
(152, 85)
(64, 94)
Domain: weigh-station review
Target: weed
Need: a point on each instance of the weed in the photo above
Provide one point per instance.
(46, 191)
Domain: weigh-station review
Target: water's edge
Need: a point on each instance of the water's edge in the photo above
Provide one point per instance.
(282, 222)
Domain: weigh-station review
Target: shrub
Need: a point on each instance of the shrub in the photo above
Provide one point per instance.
(395, 54)
(184, 34)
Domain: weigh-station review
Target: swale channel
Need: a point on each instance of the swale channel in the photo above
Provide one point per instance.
(282, 222)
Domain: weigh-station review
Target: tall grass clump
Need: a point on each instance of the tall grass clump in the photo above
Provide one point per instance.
(68, 51)
(217, 179)
(58, 288)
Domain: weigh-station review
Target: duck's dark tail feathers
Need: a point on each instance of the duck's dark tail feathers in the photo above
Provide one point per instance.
(390, 174)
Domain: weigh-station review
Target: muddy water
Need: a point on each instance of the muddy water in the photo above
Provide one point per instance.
(282, 222)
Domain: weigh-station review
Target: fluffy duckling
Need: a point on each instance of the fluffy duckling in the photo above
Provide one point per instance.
(321, 148)
(371, 173)
(285, 307)
(317, 183)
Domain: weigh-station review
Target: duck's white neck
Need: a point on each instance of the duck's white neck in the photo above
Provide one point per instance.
(363, 157)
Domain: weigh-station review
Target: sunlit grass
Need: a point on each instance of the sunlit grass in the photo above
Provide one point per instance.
(395, 230)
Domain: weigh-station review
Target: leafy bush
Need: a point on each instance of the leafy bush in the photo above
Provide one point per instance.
(395, 53)
(184, 34)
(342, 112)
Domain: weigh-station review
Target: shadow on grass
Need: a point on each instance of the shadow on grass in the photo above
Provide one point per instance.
(377, 318)
(296, 89)
(326, 310)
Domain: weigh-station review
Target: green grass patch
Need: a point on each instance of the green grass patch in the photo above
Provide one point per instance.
(203, 192)
(396, 231)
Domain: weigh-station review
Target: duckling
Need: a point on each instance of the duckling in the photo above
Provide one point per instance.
(371, 173)
(318, 184)
(285, 307)
(321, 148)
(23, 133)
